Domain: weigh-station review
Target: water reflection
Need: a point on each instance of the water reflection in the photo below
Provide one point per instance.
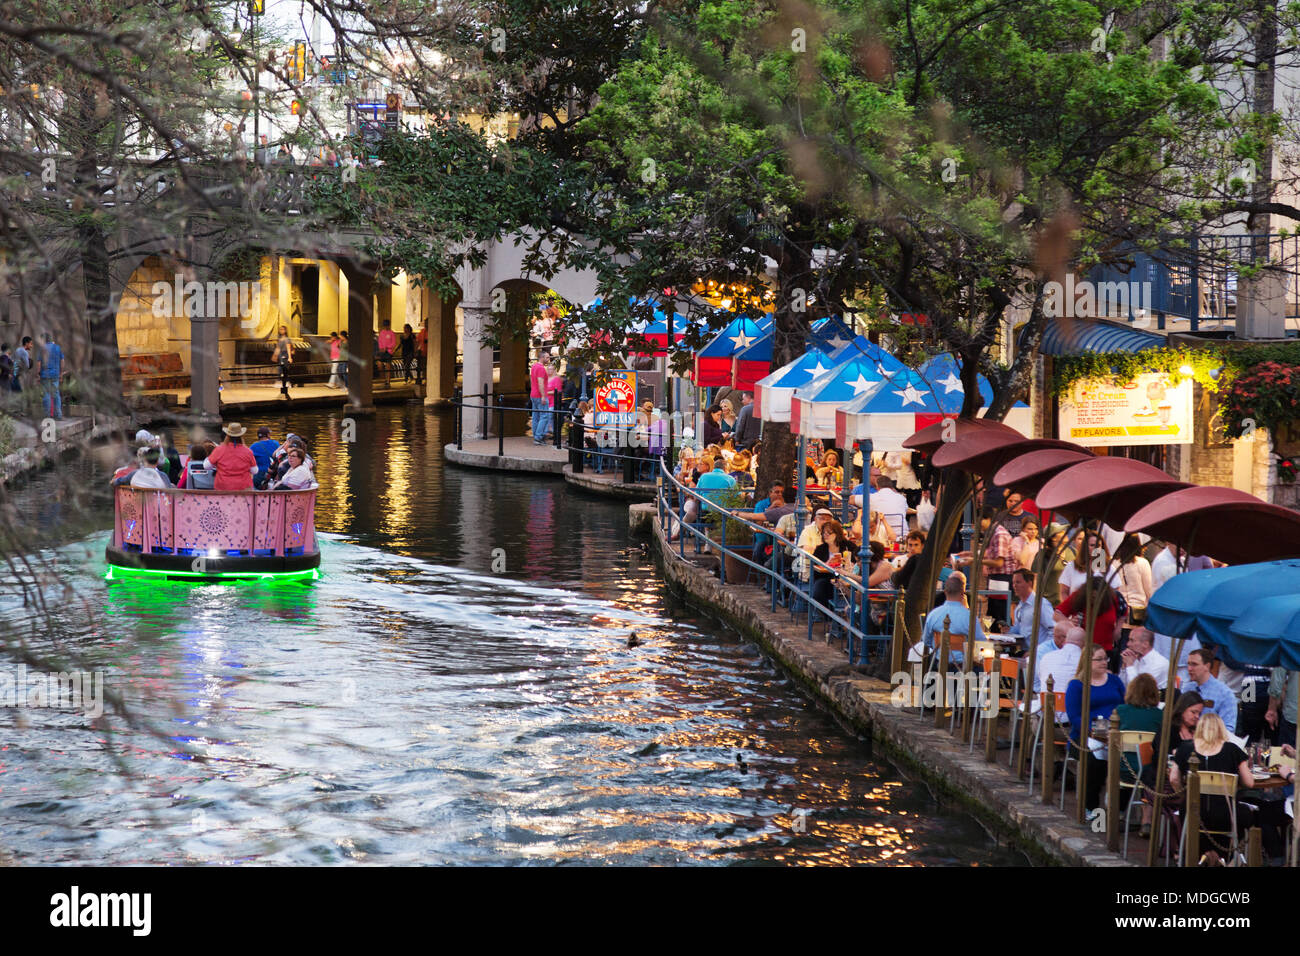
(411, 706)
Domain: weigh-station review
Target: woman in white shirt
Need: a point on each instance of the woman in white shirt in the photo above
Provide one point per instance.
(298, 476)
(1131, 576)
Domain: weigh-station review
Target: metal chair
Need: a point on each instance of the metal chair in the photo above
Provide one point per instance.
(1216, 784)
(1045, 706)
(1009, 671)
(1136, 742)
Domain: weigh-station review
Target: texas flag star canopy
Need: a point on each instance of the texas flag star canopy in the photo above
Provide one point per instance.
(773, 393)
(751, 364)
(888, 413)
(944, 375)
(860, 345)
(813, 406)
(713, 361)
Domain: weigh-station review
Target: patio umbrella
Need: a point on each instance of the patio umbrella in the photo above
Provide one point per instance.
(1267, 633)
(1208, 602)
(713, 361)
(932, 436)
(1027, 473)
(812, 412)
(1227, 524)
(773, 393)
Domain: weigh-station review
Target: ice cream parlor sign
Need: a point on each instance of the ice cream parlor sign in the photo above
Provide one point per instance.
(1149, 410)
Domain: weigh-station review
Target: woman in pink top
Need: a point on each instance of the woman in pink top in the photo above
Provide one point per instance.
(233, 461)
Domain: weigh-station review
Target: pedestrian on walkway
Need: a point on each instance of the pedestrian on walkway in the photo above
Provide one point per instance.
(284, 355)
(421, 352)
(408, 353)
(343, 357)
(538, 377)
(335, 342)
(51, 376)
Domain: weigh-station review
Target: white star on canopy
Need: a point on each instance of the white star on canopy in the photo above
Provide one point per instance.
(741, 341)
(951, 384)
(861, 385)
(819, 369)
(837, 343)
(909, 395)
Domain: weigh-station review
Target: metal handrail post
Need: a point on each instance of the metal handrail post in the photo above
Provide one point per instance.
(501, 431)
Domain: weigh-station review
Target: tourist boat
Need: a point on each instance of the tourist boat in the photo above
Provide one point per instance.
(213, 535)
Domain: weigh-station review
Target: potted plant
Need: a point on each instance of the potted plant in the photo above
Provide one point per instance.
(739, 536)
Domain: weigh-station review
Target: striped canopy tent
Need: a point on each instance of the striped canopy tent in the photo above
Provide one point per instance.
(773, 393)
(890, 412)
(812, 410)
(713, 361)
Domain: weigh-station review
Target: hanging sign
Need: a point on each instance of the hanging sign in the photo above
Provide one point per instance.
(1148, 410)
(616, 399)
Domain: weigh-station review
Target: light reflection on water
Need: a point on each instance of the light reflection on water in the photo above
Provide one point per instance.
(412, 707)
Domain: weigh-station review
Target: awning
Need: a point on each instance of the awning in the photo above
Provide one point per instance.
(1065, 336)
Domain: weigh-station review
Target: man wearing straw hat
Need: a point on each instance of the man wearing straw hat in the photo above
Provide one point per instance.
(233, 461)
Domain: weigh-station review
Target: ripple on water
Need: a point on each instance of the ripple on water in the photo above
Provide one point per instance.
(402, 710)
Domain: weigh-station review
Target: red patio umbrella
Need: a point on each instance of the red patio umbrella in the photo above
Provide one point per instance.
(929, 438)
(1028, 473)
(985, 451)
(1230, 525)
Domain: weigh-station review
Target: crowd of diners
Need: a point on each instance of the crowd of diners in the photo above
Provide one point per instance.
(1222, 706)
(268, 464)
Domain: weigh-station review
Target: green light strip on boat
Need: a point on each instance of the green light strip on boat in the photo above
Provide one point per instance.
(116, 571)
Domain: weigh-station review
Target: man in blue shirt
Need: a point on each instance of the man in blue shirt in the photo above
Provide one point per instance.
(955, 609)
(714, 481)
(51, 373)
(1215, 692)
(767, 511)
(1022, 582)
(263, 449)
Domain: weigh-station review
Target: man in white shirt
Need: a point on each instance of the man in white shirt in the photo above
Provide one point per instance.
(1163, 567)
(1141, 657)
(1060, 664)
(148, 475)
(892, 506)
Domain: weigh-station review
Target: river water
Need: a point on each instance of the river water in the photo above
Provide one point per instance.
(455, 688)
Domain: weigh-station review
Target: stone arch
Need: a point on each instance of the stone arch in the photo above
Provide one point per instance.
(148, 323)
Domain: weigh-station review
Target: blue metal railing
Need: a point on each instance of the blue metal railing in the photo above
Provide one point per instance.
(852, 624)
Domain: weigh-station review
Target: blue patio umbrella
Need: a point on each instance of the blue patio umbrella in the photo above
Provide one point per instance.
(863, 347)
(1267, 633)
(1209, 602)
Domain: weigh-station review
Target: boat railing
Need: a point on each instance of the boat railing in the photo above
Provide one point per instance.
(214, 523)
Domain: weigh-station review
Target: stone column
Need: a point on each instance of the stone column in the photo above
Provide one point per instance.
(440, 317)
(478, 368)
(327, 299)
(361, 336)
(1261, 306)
(205, 367)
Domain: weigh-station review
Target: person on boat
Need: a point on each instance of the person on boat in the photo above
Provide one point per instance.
(298, 476)
(263, 450)
(233, 461)
(197, 475)
(148, 475)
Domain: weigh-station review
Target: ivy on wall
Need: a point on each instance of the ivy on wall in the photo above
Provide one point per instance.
(1208, 366)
